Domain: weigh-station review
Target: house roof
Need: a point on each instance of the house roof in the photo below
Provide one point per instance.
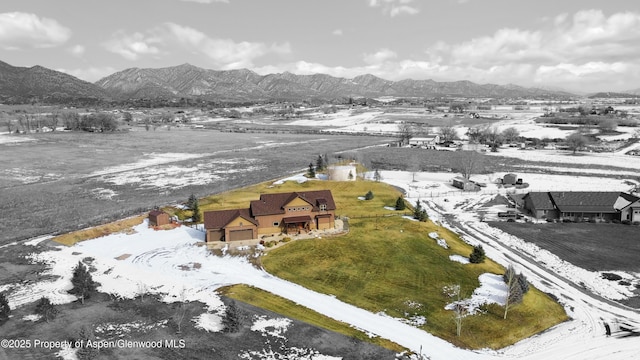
(540, 200)
(220, 218)
(271, 204)
(155, 213)
(585, 201)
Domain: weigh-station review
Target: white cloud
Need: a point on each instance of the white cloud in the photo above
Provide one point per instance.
(77, 50)
(379, 57)
(91, 74)
(395, 7)
(20, 30)
(132, 46)
(224, 53)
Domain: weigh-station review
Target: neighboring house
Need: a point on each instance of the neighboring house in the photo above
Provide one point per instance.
(583, 205)
(289, 213)
(464, 184)
(429, 141)
(540, 206)
(159, 218)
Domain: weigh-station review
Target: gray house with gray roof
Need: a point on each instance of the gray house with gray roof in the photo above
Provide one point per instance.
(583, 205)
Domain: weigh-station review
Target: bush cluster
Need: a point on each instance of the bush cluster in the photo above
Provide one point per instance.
(478, 255)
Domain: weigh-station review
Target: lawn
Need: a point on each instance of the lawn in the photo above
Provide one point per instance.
(277, 304)
(390, 264)
(595, 247)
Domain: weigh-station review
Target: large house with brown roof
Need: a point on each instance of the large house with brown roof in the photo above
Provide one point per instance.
(583, 205)
(289, 213)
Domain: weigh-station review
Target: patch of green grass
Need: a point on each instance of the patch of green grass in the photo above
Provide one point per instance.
(390, 264)
(277, 304)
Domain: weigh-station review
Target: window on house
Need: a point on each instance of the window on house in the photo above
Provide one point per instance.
(323, 207)
(275, 223)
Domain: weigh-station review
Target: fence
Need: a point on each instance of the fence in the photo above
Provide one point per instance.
(429, 193)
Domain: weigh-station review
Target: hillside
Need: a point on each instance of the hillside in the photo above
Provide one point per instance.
(190, 81)
(20, 84)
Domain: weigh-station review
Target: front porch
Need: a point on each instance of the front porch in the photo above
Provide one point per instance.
(297, 224)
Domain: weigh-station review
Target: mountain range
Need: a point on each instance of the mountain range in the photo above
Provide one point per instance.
(188, 81)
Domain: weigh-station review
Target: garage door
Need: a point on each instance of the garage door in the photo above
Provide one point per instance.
(241, 235)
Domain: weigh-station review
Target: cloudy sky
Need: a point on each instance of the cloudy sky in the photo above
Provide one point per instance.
(578, 45)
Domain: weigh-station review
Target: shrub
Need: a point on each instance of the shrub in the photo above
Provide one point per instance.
(636, 223)
(478, 255)
(46, 309)
(4, 308)
(285, 239)
(611, 276)
(369, 195)
(270, 243)
(615, 221)
(625, 222)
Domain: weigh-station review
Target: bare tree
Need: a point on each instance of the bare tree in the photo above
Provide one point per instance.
(71, 120)
(181, 311)
(515, 288)
(460, 309)
(54, 118)
(405, 132)
(510, 134)
(468, 163)
(576, 141)
(448, 133)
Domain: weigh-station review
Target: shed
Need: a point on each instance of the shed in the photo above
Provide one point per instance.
(510, 179)
(464, 184)
(159, 218)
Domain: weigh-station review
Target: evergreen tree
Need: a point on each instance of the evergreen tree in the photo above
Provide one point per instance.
(232, 318)
(192, 201)
(369, 195)
(83, 284)
(196, 217)
(87, 350)
(400, 204)
(376, 175)
(419, 213)
(46, 309)
(312, 172)
(320, 163)
(4, 308)
(350, 175)
(477, 256)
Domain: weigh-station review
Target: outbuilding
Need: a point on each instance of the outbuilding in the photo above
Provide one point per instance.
(159, 218)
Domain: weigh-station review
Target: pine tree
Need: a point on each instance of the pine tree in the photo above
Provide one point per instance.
(369, 195)
(4, 308)
(232, 318)
(87, 351)
(400, 205)
(320, 163)
(419, 213)
(192, 201)
(376, 175)
(196, 217)
(312, 172)
(83, 284)
(46, 309)
(478, 255)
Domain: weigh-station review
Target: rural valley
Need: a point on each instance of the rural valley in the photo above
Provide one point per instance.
(74, 188)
